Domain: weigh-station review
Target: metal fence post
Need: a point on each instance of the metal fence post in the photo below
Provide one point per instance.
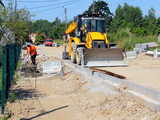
(12, 65)
(10, 57)
(4, 79)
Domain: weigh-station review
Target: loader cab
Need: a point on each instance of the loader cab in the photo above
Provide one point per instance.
(94, 24)
(89, 24)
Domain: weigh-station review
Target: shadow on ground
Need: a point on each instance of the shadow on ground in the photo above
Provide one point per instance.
(29, 70)
(44, 113)
(23, 94)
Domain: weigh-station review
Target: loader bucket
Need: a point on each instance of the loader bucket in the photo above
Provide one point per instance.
(104, 57)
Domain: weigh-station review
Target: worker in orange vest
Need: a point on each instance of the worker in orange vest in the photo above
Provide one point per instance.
(32, 52)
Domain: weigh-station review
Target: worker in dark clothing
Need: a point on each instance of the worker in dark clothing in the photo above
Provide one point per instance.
(32, 51)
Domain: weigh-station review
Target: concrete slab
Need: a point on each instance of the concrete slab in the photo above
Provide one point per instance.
(131, 54)
(51, 67)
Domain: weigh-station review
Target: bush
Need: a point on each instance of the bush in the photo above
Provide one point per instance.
(119, 35)
(127, 40)
(139, 31)
(39, 39)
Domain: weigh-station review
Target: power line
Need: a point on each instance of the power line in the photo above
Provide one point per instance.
(54, 8)
(15, 6)
(52, 4)
(36, 1)
(48, 10)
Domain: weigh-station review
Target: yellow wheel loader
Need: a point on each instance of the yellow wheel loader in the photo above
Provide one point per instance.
(87, 43)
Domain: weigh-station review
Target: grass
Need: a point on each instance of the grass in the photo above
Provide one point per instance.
(4, 118)
(129, 43)
(12, 97)
(59, 41)
(19, 63)
(127, 40)
(16, 78)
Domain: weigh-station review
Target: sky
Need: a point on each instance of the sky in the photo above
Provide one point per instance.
(50, 9)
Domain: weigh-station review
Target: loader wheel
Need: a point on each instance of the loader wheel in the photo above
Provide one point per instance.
(64, 55)
(78, 58)
(73, 57)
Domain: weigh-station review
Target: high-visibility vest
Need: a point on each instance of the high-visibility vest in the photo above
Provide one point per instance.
(32, 50)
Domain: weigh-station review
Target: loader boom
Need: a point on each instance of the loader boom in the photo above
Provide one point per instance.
(72, 27)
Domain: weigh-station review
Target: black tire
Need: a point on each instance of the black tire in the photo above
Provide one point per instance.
(82, 61)
(73, 57)
(64, 55)
(78, 58)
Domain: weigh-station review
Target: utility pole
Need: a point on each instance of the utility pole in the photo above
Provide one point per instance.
(65, 37)
(15, 6)
(65, 13)
(15, 9)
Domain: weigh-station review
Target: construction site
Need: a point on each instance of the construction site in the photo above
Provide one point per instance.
(80, 93)
(83, 74)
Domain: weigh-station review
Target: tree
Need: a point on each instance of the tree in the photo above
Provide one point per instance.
(57, 21)
(20, 29)
(18, 23)
(52, 30)
(151, 13)
(57, 31)
(150, 22)
(100, 7)
(41, 26)
(158, 25)
(127, 16)
(40, 38)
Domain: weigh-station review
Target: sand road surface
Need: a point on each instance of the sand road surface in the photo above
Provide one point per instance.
(68, 97)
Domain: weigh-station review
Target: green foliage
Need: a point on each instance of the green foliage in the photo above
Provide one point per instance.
(139, 31)
(126, 39)
(126, 17)
(16, 78)
(40, 39)
(59, 41)
(20, 29)
(18, 23)
(151, 23)
(53, 29)
(57, 31)
(129, 27)
(41, 26)
(4, 118)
